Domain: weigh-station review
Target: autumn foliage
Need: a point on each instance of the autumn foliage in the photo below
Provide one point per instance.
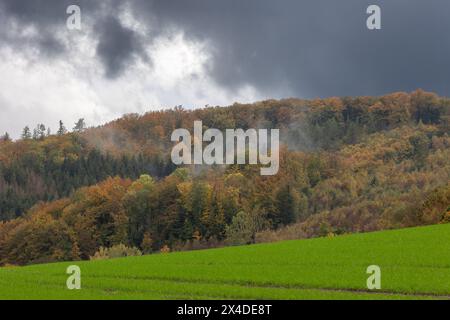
(347, 165)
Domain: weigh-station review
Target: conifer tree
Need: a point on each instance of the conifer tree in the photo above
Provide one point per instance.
(80, 126)
(26, 133)
(62, 129)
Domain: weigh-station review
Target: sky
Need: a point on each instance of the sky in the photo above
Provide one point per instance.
(133, 56)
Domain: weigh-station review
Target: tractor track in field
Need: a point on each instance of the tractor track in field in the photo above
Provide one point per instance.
(243, 284)
(279, 286)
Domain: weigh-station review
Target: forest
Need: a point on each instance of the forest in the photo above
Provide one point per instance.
(347, 165)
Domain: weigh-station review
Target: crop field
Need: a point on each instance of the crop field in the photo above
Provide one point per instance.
(415, 264)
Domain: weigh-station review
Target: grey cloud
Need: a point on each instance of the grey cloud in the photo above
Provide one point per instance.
(319, 47)
(44, 15)
(117, 46)
(41, 12)
(308, 48)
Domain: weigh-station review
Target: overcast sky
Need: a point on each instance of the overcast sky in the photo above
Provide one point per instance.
(139, 55)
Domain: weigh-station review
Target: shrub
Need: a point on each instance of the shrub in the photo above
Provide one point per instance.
(291, 232)
(446, 218)
(116, 251)
(165, 249)
(243, 227)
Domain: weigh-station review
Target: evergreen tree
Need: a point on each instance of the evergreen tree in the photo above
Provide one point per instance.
(288, 206)
(39, 132)
(80, 126)
(5, 137)
(62, 129)
(26, 133)
(420, 149)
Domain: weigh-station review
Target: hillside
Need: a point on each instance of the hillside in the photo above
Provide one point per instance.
(414, 265)
(347, 165)
(43, 168)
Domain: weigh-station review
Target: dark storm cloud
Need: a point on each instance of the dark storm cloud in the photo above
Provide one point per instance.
(307, 48)
(117, 46)
(36, 13)
(318, 47)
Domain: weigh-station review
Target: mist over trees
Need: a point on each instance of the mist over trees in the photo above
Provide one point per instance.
(347, 165)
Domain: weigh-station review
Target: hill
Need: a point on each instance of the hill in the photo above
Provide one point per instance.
(346, 165)
(414, 265)
(42, 167)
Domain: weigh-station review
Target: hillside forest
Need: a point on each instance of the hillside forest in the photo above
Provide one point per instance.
(347, 165)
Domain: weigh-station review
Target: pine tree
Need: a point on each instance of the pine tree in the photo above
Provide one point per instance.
(287, 204)
(39, 132)
(5, 137)
(26, 133)
(80, 126)
(62, 129)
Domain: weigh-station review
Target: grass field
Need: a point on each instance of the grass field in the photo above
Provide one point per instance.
(415, 264)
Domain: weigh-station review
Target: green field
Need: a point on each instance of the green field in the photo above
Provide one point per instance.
(415, 264)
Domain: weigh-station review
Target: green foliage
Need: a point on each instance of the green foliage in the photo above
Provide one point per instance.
(241, 229)
(137, 202)
(244, 227)
(288, 205)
